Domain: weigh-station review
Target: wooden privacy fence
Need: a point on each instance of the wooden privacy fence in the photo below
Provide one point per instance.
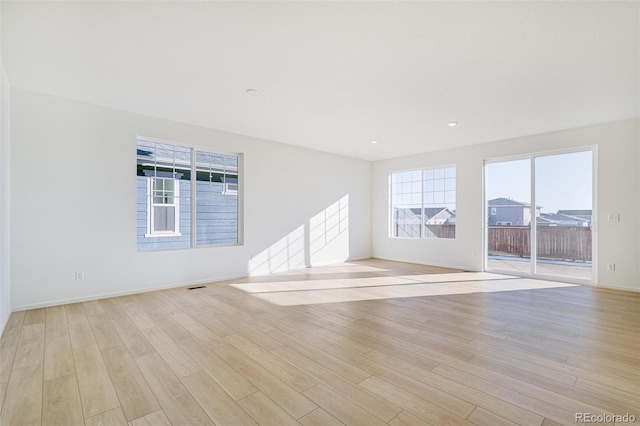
(553, 242)
(430, 231)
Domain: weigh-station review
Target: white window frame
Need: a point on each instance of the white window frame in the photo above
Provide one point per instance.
(226, 188)
(151, 205)
(422, 204)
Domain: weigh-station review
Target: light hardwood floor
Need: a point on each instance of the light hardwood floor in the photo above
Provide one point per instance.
(362, 343)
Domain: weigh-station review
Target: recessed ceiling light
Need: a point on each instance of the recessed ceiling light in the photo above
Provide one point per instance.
(252, 91)
(453, 124)
(374, 141)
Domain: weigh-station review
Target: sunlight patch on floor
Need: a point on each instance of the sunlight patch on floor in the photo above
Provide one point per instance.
(357, 289)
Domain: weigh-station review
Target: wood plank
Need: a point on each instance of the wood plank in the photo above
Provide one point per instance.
(266, 412)
(8, 347)
(132, 337)
(250, 332)
(282, 369)
(171, 327)
(61, 402)
(199, 331)
(175, 400)
(112, 308)
(233, 382)
(137, 315)
(510, 395)
(158, 418)
(400, 341)
(507, 368)
(3, 392)
(480, 416)
(208, 320)
(56, 318)
(632, 399)
(58, 356)
(22, 407)
(294, 403)
(113, 417)
(136, 398)
(34, 316)
(30, 349)
(218, 405)
(410, 377)
(417, 406)
(319, 417)
(104, 333)
(172, 354)
(341, 408)
(96, 389)
(14, 323)
(548, 422)
(337, 365)
(93, 307)
(519, 363)
(374, 404)
(79, 328)
(407, 419)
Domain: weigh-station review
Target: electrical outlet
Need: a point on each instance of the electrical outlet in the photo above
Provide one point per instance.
(614, 217)
(611, 266)
(79, 276)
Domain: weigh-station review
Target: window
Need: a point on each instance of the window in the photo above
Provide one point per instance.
(230, 188)
(494, 211)
(423, 203)
(163, 212)
(186, 197)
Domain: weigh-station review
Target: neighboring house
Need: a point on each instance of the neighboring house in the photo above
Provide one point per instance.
(582, 214)
(558, 219)
(408, 219)
(164, 194)
(435, 215)
(507, 212)
(407, 222)
(438, 216)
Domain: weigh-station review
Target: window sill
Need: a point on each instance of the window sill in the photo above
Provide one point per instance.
(168, 234)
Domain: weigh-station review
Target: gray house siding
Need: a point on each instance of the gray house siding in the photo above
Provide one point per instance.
(517, 215)
(216, 217)
(216, 214)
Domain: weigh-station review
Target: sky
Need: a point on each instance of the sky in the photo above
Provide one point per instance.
(563, 182)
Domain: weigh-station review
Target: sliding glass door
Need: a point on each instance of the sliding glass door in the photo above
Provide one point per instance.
(508, 212)
(539, 215)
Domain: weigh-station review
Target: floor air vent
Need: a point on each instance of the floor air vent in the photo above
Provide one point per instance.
(196, 287)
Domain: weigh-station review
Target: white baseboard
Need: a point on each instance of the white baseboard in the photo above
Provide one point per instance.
(120, 293)
(58, 302)
(610, 287)
(416, 262)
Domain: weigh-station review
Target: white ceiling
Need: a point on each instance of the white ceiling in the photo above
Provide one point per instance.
(335, 75)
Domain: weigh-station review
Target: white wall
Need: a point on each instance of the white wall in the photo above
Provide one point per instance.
(5, 278)
(73, 202)
(618, 191)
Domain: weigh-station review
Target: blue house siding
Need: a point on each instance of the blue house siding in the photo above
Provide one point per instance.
(216, 214)
(216, 217)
